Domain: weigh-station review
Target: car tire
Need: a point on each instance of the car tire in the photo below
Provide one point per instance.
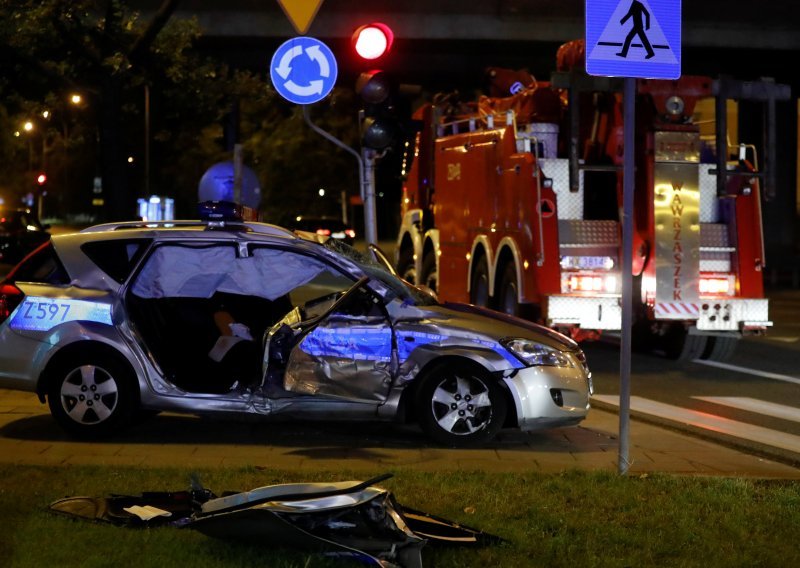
(479, 285)
(92, 395)
(460, 405)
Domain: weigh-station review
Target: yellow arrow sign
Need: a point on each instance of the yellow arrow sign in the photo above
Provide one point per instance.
(300, 12)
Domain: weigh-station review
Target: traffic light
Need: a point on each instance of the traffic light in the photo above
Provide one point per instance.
(372, 41)
(41, 179)
(379, 126)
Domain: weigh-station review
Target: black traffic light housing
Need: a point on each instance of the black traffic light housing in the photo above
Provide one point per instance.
(379, 124)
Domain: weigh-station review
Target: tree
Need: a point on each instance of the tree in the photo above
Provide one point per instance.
(98, 48)
(103, 50)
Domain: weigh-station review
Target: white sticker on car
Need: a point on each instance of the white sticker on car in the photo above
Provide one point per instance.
(43, 314)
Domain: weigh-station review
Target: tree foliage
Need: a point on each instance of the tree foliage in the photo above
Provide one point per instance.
(109, 54)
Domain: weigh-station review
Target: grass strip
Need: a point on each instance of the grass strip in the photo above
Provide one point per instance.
(576, 518)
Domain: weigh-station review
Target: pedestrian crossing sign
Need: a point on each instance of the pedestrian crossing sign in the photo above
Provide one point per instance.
(633, 38)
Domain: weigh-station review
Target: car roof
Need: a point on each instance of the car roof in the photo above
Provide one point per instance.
(86, 273)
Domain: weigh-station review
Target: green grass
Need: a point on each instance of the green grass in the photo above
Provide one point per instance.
(573, 519)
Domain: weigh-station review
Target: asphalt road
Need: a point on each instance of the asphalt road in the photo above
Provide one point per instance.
(759, 388)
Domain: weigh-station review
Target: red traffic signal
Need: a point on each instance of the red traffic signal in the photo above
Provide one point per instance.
(41, 179)
(372, 41)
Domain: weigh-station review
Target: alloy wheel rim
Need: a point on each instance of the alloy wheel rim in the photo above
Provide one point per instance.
(461, 405)
(89, 395)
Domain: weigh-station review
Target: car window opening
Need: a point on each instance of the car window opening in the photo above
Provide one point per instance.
(205, 314)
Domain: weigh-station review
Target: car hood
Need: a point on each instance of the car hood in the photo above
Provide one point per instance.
(471, 321)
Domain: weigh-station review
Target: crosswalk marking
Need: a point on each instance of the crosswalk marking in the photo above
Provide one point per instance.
(755, 405)
(711, 422)
(748, 371)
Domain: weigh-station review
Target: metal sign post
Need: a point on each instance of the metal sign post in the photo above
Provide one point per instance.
(631, 38)
(628, 173)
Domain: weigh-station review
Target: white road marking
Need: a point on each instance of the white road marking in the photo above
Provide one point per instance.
(755, 405)
(747, 371)
(783, 339)
(711, 422)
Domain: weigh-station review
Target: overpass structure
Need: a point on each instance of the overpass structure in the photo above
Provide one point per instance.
(443, 43)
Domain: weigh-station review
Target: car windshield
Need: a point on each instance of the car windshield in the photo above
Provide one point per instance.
(400, 288)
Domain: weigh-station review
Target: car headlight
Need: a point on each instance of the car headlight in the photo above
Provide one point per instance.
(532, 353)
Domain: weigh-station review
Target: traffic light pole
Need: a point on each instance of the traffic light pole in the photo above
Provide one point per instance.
(366, 177)
(368, 194)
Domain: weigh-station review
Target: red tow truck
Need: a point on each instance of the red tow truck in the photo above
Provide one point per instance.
(514, 203)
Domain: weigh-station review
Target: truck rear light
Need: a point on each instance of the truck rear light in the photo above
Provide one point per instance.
(717, 285)
(10, 298)
(590, 283)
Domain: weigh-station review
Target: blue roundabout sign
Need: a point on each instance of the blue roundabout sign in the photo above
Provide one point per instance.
(303, 70)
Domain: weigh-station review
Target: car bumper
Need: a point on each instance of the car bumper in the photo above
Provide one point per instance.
(548, 397)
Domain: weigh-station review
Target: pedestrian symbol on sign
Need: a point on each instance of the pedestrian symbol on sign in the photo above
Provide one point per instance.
(635, 13)
(633, 38)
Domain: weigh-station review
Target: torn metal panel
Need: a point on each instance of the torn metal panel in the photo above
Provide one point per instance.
(363, 521)
(350, 519)
(346, 356)
(346, 377)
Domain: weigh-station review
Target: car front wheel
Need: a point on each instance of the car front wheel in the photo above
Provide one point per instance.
(460, 405)
(91, 396)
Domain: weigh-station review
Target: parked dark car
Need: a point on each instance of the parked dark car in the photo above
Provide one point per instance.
(20, 233)
(324, 226)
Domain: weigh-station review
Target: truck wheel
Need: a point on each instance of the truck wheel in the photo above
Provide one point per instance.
(460, 405)
(430, 278)
(678, 344)
(406, 267)
(643, 340)
(508, 296)
(720, 348)
(91, 395)
(479, 285)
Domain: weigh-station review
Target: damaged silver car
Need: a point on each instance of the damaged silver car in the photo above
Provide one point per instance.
(243, 318)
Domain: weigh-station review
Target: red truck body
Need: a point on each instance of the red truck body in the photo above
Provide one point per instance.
(514, 203)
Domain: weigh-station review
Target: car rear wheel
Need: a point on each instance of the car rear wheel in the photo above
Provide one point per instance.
(460, 405)
(91, 396)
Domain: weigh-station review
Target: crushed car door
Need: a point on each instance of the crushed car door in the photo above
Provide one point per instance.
(341, 338)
